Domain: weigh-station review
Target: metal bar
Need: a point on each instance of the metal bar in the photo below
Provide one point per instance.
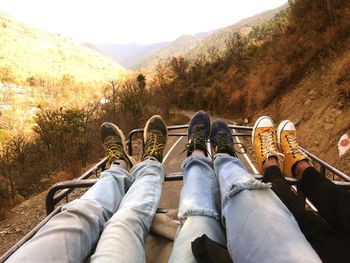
(174, 177)
(52, 200)
(85, 175)
(327, 166)
(29, 235)
(239, 127)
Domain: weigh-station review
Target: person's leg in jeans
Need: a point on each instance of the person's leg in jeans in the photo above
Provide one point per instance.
(332, 202)
(259, 227)
(198, 208)
(70, 235)
(124, 235)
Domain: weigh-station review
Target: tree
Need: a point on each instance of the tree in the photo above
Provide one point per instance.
(131, 98)
(141, 80)
(178, 68)
(65, 134)
(161, 82)
(236, 45)
(6, 75)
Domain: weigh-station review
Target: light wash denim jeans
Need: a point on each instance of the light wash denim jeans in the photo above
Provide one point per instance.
(123, 219)
(259, 228)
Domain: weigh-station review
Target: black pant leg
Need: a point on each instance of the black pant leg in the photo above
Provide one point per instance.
(332, 202)
(282, 189)
(331, 245)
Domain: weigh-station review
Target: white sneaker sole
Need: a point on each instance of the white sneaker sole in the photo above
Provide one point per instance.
(256, 125)
(280, 128)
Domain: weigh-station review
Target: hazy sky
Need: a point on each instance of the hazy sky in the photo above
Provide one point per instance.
(139, 21)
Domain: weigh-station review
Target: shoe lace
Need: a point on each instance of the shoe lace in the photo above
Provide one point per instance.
(154, 147)
(268, 146)
(224, 145)
(113, 150)
(294, 147)
(197, 141)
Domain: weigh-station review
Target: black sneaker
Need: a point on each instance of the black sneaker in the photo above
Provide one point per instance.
(198, 133)
(221, 138)
(155, 136)
(113, 142)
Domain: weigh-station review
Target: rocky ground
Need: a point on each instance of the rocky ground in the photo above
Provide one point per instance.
(320, 107)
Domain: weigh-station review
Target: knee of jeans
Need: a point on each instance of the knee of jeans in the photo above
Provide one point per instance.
(237, 187)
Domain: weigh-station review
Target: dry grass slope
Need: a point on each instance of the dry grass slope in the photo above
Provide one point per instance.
(27, 52)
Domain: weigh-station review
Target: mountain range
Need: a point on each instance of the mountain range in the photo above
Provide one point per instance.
(134, 56)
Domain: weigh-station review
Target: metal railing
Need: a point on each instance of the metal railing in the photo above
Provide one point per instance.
(52, 198)
(65, 188)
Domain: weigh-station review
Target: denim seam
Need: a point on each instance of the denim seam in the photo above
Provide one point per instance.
(235, 188)
(198, 211)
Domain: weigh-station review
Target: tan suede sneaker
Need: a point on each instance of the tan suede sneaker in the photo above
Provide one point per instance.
(287, 141)
(264, 141)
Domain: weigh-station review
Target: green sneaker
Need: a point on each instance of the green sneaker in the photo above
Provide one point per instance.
(113, 142)
(155, 137)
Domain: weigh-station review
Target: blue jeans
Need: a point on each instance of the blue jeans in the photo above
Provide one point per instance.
(106, 215)
(259, 228)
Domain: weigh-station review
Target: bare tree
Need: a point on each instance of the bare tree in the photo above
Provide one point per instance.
(236, 45)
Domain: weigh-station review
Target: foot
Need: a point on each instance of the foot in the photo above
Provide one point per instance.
(198, 133)
(155, 137)
(264, 141)
(221, 138)
(113, 142)
(287, 140)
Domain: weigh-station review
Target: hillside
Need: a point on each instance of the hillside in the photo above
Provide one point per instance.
(26, 52)
(296, 68)
(217, 39)
(319, 105)
(196, 46)
(178, 47)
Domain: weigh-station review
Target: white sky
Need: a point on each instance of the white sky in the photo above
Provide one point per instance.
(139, 21)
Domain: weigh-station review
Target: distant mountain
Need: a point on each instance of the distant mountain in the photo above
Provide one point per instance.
(192, 46)
(29, 52)
(217, 39)
(128, 54)
(134, 56)
(178, 47)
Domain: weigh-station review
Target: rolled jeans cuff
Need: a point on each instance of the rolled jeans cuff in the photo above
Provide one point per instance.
(237, 187)
(200, 194)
